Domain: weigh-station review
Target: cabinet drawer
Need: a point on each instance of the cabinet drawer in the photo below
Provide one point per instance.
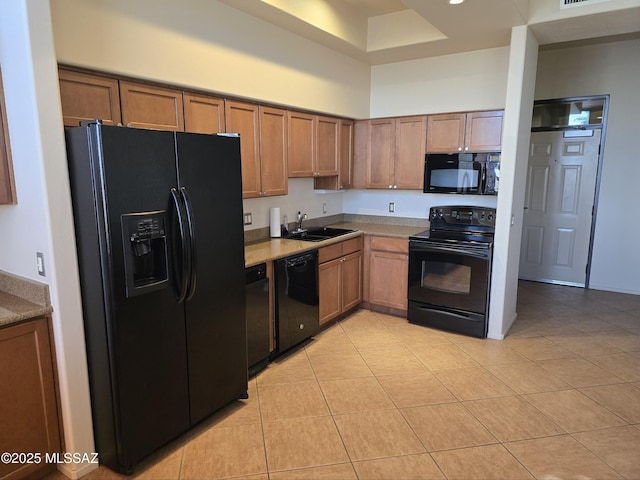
(353, 245)
(326, 254)
(390, 244)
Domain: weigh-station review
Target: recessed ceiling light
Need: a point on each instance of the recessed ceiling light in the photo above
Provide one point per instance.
(455, 2)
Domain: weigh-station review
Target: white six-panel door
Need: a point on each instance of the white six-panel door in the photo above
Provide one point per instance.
(558, 207)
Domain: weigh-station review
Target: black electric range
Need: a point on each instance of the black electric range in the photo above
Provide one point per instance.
(450, 270)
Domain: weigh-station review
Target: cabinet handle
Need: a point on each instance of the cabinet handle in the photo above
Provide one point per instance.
(459, 149)
(395, 186)
(390, 186)
(466, 149)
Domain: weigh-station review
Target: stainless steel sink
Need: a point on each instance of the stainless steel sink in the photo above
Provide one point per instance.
(319, 234)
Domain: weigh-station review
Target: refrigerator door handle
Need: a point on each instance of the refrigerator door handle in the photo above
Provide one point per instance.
(192, 244)
(182, 283)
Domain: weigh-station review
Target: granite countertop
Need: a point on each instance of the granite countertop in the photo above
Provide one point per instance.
(275, 248)
(22, 299)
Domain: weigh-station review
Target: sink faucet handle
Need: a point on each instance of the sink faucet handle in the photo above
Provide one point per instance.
(301, 217)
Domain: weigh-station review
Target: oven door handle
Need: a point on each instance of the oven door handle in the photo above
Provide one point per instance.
(440, 311)
(472, 252)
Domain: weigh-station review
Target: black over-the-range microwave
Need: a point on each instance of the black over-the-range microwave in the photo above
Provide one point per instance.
(471, 173)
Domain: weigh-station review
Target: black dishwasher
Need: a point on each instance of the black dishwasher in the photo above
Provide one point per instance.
(257, 315)
(297, 311)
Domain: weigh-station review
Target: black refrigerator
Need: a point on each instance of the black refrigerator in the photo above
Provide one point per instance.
(159, 234)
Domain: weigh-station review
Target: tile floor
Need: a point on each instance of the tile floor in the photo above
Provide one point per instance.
(373, 397)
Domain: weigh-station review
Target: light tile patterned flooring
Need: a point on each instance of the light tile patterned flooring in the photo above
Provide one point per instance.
(373, 397)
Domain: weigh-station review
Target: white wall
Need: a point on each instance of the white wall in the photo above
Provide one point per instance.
(407, 203)
(301, 198)
(515, 158)
(209, 45)
(614, 69)
(42, 219)
(449, 83)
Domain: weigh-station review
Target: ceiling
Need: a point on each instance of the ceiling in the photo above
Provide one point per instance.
(386, 31)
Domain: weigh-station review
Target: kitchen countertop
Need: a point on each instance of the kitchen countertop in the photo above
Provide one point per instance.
(275, 248)
(22, 299)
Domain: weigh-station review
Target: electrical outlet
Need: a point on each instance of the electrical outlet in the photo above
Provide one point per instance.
(40, 263)
(392, 207)
(247, 219)
(324, 208)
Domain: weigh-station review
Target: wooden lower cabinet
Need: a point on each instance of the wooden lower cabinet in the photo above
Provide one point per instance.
(340, 278)
(29, 414)
(388, 271)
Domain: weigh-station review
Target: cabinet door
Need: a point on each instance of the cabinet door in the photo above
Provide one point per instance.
(345, 154)
(146, 106)
(84, 96)
(203, 114)
(330, 289)
(380, 166)
(326, 158)
(301, 144)
(361, 152)
(388, 279)
(411, 138)
(351, 280)
(484, 131)
(445, 133)
(273, 151)
(29, 415)
(7, 184)
(243, 118)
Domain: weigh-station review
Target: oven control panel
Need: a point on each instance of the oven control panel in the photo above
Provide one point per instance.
(463, 215)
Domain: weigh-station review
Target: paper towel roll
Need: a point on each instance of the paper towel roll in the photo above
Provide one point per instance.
(274, 221)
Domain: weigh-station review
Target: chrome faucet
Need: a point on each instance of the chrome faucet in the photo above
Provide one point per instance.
(301, 217)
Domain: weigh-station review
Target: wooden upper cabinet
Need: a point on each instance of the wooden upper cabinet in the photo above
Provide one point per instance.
(203, 114)
(361, 152)
(484, 131)
(410, 150)
(383, 142)
(146, 106)
(326, 151)
(313, 145)
(445, 133)
(273, 151)
(85, 96)
(7, 184)
(301, 143)
(243, 118)
(465, 132)
(345, 152)
(394, 152)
